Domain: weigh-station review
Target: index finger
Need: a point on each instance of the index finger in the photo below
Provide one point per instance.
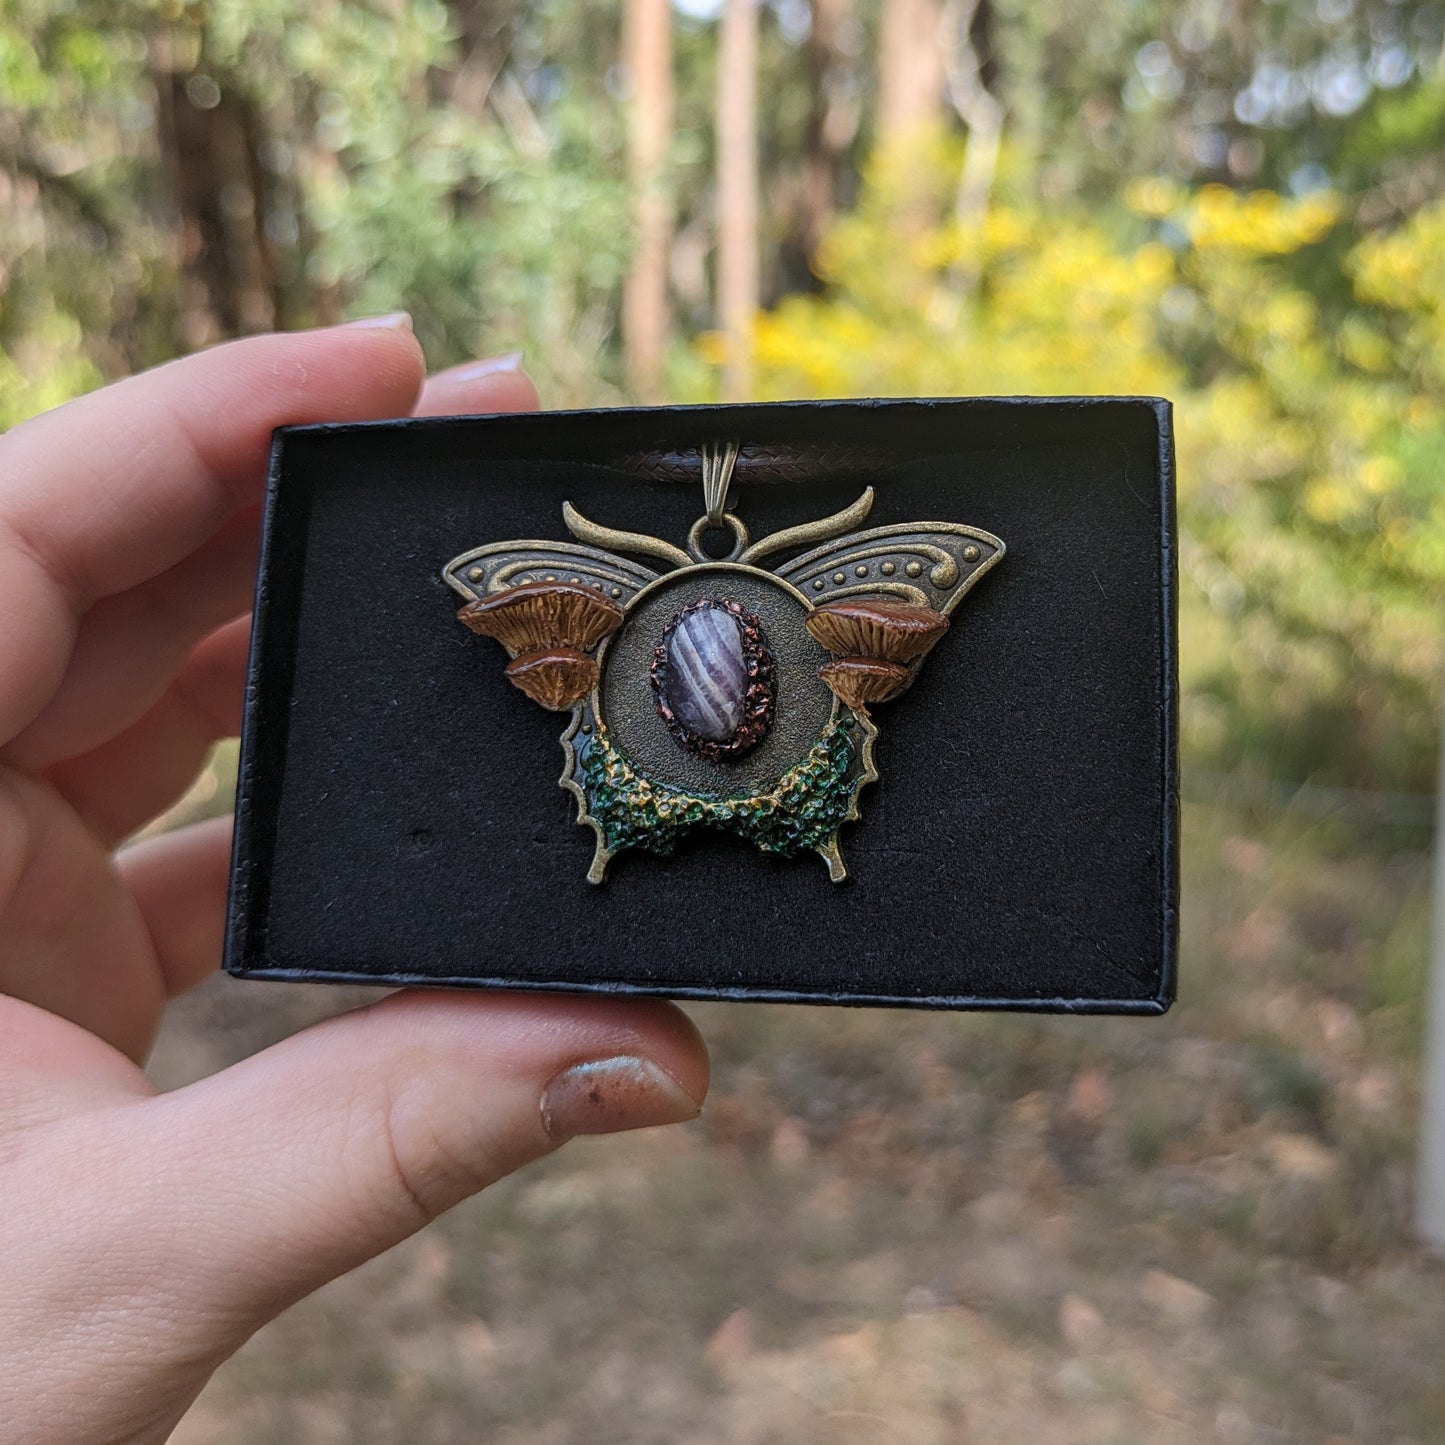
(116, 487)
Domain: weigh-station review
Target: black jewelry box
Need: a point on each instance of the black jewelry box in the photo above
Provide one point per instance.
(399, 818)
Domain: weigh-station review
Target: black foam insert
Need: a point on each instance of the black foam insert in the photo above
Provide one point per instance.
(399, 818)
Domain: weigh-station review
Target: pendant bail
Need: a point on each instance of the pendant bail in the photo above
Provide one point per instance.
(718, 460)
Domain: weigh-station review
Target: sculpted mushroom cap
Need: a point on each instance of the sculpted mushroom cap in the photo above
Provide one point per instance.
(557, 680)
(876, 627)
(860, 681)
(536, 616)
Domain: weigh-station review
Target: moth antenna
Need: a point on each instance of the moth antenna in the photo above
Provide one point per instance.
(637, 543)
(809, 532)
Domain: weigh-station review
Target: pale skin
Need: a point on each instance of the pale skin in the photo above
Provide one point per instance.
(146, 1236)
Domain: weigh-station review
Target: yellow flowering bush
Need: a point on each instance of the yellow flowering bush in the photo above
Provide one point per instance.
(1308, 369)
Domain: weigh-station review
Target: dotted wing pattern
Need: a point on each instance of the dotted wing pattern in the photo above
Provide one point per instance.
(931, 564)
(494, 568)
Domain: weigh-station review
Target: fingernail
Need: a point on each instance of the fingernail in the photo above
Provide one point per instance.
(609, 1095)
(392, 321)
(510, 361)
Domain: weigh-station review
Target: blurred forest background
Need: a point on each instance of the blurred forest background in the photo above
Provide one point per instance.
(887, 1227)
(1237, 205)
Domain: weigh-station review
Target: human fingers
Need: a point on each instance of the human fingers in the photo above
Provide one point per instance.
(130, 645)
(130, 648)
(222, 1203)
(125, 782)
(72, 941)
(496, 383)
(336, 1144)
(51, 1068)
(117, 487)
(89, 937)
(178, 881)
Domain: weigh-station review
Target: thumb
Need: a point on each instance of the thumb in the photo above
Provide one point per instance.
(305, 1160)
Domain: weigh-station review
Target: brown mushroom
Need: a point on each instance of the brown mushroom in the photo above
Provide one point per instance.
(549, 628)
(536, 616)
(860, 681)
(864, 627)
(558, 679)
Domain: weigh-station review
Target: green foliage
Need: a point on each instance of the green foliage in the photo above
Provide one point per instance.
(1208, 92)
(383, 174)
(416, 197)
(47, 367)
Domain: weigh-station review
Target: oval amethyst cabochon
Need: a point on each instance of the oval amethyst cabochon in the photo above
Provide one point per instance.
(802, 703)
(707, 674)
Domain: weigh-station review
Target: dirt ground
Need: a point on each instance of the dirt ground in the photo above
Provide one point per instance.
(900, 1227)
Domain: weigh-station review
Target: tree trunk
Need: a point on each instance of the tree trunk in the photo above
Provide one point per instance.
(737, 192)
(832, 121)
(1430, 1176)
(910, 69)
(965, 50)
(209, 141)
(647, 55)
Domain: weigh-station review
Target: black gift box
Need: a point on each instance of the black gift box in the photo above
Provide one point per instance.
(399, 818)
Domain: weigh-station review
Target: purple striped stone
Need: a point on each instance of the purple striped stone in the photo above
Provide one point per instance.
(707, 674)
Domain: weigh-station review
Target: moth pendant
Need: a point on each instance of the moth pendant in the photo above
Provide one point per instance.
(720, 692)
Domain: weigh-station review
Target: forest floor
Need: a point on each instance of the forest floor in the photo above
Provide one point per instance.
(896, 1227)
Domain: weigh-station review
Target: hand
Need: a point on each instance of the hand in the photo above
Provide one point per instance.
(146, 1236)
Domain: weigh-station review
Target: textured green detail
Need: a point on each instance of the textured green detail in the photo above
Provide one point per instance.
(803, 810)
